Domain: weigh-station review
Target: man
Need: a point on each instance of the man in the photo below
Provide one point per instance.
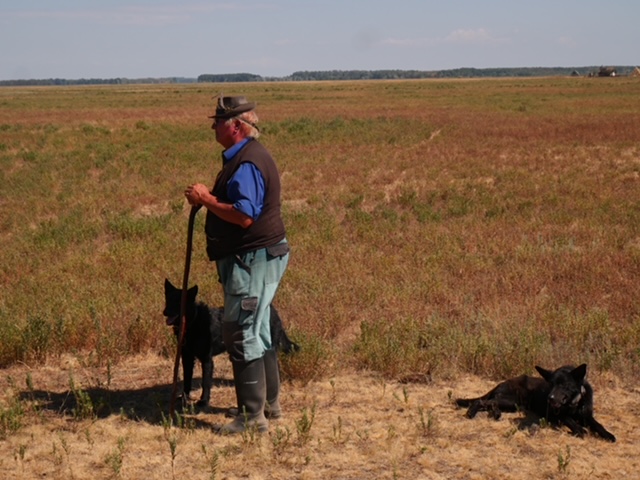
(246, 239)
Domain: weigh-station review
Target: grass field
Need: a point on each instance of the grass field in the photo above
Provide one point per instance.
(440, 229)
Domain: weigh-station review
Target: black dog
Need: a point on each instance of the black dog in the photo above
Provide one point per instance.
(203, 335)
(562, 397)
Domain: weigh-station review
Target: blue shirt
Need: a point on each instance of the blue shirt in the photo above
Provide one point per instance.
(246, 187)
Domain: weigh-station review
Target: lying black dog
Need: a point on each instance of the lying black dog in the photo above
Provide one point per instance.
(203, 335)
(562, 397)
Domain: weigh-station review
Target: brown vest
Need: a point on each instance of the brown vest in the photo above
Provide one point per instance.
(224, 238)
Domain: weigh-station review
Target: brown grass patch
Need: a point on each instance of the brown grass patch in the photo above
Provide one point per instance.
(439, 229)
(364, 427)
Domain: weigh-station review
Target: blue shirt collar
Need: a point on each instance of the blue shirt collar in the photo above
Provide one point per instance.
(229, 153)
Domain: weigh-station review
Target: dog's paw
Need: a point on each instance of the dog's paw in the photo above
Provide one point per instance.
(579, 432)
(494, 414)
(470, 413)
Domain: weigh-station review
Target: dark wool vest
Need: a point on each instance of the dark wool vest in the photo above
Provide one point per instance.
(224, 238)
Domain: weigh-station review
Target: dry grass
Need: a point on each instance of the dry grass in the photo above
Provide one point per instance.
(363, 427)
(440, 229)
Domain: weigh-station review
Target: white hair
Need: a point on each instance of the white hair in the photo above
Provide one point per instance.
(249, 122)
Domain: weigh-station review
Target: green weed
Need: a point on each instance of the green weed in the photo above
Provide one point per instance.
(115, 459)
(338, 434)
(11, 417)
(312, 361)
(427, 426)
(37, 338)
(395, 349)
(280, 440)
(564, 459)
(304, 424)
(213, 462)
(84, 408)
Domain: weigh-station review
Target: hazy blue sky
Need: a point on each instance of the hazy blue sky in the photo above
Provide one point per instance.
(159, 38)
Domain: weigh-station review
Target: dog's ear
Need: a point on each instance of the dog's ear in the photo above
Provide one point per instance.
(193, 292)
(579, 372)
(544, 373)
(167, 285)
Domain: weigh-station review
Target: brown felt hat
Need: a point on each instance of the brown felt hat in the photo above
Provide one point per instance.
(229, 107)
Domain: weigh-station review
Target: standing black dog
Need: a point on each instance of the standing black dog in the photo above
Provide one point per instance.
(562, 397)
(203, 335)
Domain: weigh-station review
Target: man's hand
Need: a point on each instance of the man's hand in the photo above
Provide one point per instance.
(197, 194)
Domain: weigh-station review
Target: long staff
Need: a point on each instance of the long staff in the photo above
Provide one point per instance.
(183, 308)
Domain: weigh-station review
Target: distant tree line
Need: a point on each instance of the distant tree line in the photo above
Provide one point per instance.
(453, 73)
(94, 81)
(229, 77)
(340, 75)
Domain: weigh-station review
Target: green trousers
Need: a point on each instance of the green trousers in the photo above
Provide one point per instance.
(250, 282)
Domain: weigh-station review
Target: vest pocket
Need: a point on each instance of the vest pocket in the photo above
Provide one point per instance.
(278, 250)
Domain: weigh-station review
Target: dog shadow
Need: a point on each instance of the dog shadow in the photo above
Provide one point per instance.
(150, 405)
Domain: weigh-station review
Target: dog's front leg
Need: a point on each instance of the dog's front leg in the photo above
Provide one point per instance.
(574, 426)
(597, 428)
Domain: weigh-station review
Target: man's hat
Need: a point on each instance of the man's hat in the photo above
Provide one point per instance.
(229, 107)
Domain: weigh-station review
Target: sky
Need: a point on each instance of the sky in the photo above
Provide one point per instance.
(74, 39)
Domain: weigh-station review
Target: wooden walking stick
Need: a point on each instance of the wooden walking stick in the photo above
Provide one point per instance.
(183, 309)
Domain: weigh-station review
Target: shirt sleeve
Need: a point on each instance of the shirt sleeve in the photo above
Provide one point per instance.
(246, 190)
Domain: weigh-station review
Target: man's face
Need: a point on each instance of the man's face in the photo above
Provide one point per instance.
(225, 132)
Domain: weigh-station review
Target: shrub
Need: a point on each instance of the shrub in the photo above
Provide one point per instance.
(312, 361)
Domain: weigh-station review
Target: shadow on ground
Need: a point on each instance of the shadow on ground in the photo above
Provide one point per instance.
(149, 404)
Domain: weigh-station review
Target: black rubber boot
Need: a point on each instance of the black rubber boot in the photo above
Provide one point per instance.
(251, 391)
(272, 374)
(272, 409)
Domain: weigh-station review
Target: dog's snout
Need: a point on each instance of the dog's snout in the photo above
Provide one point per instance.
(557, 399)
(560, 399)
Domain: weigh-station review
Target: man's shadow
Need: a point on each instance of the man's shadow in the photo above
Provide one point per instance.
(150, 405)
